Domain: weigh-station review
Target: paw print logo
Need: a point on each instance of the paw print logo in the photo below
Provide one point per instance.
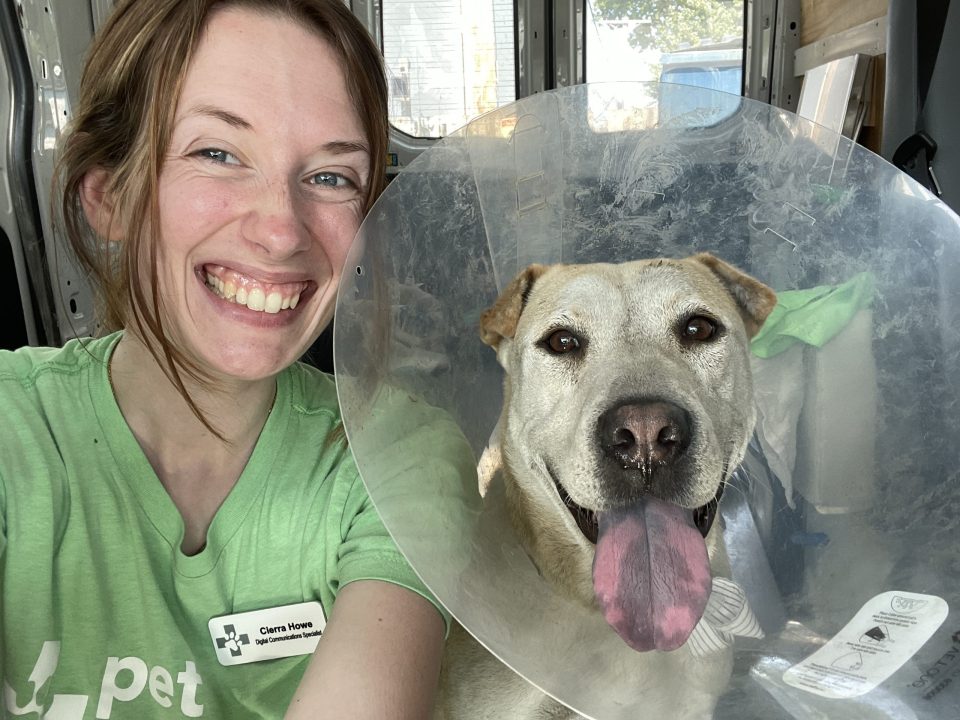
(232, 641)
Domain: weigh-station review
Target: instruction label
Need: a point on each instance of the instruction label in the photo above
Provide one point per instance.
(887, 631)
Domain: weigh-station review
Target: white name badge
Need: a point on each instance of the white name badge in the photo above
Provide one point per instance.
(267, 634)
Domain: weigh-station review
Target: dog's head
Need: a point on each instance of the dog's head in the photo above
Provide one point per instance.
(628, 396)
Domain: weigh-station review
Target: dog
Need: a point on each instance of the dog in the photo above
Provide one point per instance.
(627, 405)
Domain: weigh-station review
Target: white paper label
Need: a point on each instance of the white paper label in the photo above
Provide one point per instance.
(887, 631)
(267, 634)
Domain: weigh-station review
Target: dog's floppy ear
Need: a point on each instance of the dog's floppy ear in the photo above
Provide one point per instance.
(754, 299)
(500, 320)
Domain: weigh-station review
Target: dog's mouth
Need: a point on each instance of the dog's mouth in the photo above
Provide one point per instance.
(586, 519)
(651, 570)
(703, 516)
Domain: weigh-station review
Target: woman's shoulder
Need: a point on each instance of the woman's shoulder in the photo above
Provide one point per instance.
(46, 394)
(25, 368)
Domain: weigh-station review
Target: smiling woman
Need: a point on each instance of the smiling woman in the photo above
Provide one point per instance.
(221, 159)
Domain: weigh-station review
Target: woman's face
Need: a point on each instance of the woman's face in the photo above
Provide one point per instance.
(260, 195)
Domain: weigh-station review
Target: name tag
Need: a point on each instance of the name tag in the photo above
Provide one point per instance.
(267, 634)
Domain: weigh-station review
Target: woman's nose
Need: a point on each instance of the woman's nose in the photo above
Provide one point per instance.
(276, 222)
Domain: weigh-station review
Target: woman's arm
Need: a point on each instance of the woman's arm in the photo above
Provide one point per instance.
(379, 657)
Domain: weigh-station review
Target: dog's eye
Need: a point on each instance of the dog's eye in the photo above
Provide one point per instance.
(698, 329)
(562, 341)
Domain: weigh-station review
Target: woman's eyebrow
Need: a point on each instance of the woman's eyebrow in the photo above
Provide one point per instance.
(221, 114)
(344, 147)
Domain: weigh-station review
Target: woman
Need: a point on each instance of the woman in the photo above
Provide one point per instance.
(181, 517)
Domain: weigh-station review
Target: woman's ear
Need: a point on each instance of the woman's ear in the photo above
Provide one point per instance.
(98, 204)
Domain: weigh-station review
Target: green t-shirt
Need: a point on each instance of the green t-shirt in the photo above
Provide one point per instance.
(101, 614)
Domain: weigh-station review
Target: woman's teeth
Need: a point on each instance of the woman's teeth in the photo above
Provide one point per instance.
(254, 298)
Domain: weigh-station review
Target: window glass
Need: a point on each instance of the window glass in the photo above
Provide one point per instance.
(447, 62)
(697, 42)
(725, 79)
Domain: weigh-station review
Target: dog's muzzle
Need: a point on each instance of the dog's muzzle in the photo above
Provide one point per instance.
(645, 434)
(644, 438)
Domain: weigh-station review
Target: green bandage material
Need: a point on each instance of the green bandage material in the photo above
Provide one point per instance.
(812, 316)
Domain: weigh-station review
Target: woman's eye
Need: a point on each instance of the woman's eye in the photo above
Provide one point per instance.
(561, 342)
(217, 156)
(698, 329)
(331, 180)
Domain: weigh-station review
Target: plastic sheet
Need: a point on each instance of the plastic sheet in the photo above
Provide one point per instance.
(849, 490)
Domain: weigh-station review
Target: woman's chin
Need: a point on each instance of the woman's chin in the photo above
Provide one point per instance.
(229, 349)
(249, 364)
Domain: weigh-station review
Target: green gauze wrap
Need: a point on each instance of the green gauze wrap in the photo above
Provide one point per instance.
(812, 316)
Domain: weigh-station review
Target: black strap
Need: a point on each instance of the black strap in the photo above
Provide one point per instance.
(915, 154)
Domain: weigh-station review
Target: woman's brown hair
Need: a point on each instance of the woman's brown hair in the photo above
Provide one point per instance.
(129, 91)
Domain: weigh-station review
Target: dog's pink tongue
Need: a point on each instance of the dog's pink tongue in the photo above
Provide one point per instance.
(651, 574)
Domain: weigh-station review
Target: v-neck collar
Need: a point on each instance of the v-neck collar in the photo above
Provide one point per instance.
(137, 473)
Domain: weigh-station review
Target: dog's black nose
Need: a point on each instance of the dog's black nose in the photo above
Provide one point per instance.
(644, 434)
